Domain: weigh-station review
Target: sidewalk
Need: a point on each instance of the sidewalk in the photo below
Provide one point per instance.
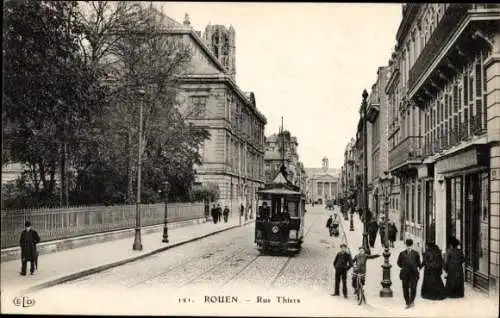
(60, 267)
(474, 304)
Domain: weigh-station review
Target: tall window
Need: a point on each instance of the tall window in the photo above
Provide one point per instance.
(419, 208)
(198, 106)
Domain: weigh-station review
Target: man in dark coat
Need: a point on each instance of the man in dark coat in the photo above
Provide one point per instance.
(242, 209)
(219, 213)
(214, 214)
(226, 213)
(27, 242)
(372, 232)
(342, 263)
(409, 262)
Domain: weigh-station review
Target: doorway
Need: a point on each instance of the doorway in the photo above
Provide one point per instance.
(430, 212)
(476, 247)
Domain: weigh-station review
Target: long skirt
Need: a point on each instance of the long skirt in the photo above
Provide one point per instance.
(455, 286)
(432, 285)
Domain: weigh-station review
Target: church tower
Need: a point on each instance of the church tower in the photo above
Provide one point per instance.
(221, 42)
(324, 164)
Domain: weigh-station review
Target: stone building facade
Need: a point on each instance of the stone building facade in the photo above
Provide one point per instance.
(273, 158)
(233, 157)
(444, 137)
(377, 115)
(322, 183)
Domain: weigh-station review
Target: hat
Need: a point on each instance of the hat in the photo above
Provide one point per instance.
(343, 245)
(409, 242)
(27, 224)
(453, 241)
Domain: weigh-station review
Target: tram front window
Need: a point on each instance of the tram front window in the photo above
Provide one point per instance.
(264, 211)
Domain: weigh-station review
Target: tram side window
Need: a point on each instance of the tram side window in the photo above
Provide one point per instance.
(293, 209)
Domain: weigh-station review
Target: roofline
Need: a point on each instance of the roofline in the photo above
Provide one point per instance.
(199, 41)
(225, 79)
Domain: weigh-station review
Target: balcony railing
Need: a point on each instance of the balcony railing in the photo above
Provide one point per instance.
(407, 151)
(452, 16)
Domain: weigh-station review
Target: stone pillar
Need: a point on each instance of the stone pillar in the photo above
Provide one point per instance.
(492, 70)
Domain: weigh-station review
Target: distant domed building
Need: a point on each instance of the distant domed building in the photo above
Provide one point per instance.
(322, 183)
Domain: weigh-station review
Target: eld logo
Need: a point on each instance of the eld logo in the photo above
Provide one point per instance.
(24, 301)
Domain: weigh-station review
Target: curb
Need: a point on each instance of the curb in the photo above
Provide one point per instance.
(100, 268)
(54, 246)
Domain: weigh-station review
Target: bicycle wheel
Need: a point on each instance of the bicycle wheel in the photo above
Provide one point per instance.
(361, 296)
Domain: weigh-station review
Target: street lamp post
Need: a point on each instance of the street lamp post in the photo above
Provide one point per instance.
(365, 173)
(386, 283)
(165, 216)
(137, 237)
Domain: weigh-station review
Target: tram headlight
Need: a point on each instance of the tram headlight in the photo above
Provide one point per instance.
(293, 234)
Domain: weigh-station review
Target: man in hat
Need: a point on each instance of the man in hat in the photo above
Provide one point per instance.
(27, 242)
(409, 262)
(342, 263)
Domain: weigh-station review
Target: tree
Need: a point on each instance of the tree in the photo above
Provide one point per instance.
(49, 92)
(132, 46)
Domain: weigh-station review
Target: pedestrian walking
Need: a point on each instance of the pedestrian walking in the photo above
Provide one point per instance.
(27, 242)
(226, 213)
(214, 214)
(342, 263)
(409, 262)
(382, 229)
(432, 284)
(454, 269)
(372, 232)
(393, 230)
(219, 213)
(242, 209)
(207, 210)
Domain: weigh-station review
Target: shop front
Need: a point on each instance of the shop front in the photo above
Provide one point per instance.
(467, 211)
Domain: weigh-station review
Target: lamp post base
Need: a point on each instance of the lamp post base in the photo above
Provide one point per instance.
(137, 240)
(386, 283)
(165, 234)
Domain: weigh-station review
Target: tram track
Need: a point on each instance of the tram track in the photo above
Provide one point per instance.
(183, 264)
(282, 267)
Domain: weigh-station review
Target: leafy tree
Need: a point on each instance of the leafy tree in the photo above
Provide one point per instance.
(49, 92)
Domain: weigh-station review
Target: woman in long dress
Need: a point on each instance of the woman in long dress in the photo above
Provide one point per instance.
(454, 270)
(432, 285)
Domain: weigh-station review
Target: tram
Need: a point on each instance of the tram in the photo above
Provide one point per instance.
(279, 226)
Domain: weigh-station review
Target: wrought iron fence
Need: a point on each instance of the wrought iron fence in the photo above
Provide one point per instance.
(61, 223)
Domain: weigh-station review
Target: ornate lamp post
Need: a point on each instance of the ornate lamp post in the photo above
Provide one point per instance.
(165, 216)
(386, 291)
(364, 106)
(137, 237)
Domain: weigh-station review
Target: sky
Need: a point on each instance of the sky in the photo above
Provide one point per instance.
(307, 62)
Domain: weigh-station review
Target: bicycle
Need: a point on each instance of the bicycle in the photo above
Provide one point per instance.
(360, 291)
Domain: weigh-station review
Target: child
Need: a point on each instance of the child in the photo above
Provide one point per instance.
(360, 266)
(342, 263)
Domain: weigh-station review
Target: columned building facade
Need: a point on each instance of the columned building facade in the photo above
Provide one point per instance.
(322, 183)
(445, 135)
